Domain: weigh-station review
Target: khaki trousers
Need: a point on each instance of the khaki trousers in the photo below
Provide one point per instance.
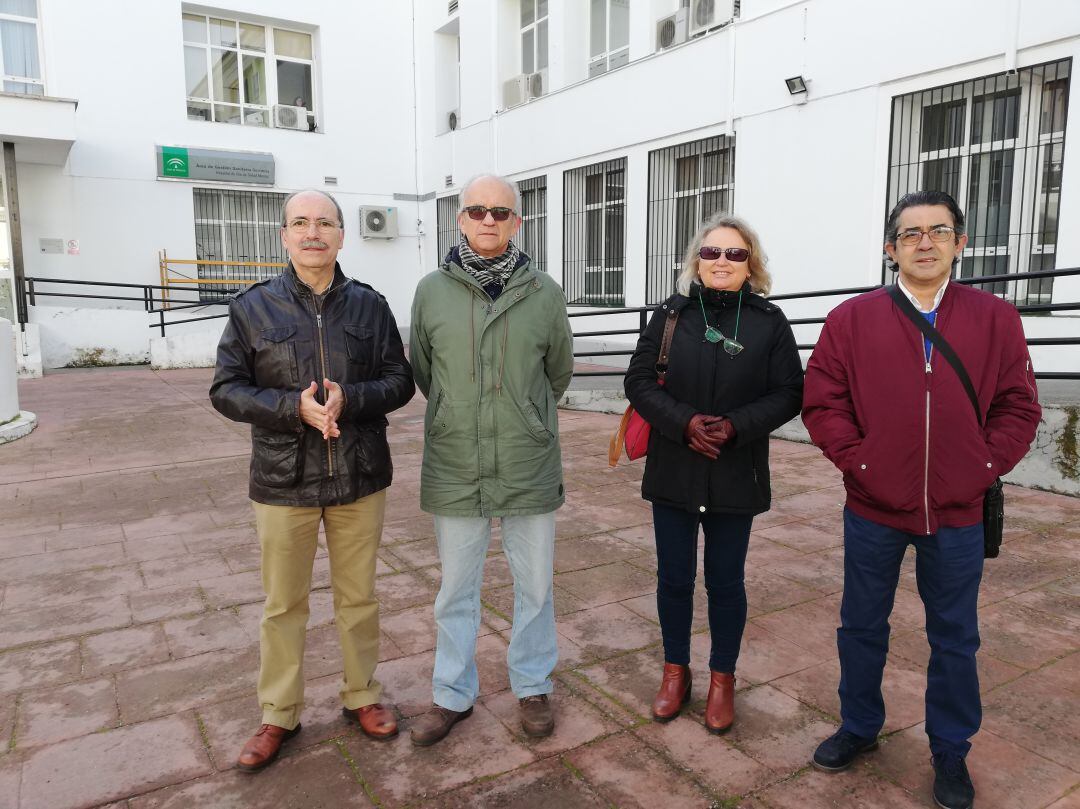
(289, 538)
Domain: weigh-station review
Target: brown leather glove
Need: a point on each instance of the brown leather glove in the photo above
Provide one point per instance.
(699, 438)
(722, 430)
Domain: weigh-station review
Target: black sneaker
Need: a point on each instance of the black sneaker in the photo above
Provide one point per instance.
(952, 784)
(838, 751)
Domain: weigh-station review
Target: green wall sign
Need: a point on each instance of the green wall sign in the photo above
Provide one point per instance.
(174, 161)
(219, 165)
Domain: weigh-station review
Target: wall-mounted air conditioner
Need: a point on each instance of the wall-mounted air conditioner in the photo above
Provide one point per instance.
(536, 84)
(671, 31)
(286, 117)
(515, 91)
(377, 222)
(704, 14)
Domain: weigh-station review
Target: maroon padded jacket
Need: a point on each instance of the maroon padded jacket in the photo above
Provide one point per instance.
(901, 429)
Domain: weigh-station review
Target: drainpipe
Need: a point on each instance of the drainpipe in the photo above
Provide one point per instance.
(1012, 37)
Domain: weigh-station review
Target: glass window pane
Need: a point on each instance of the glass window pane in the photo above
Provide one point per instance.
(292, 43)
(528, 64)
(226, 114)
(24, 87)
(615, 185)
(620, 25)
(294, 84)
(542, 45)
(594, 189)
(18, 41)
(713, 202)
(223, 32)
(686, 173)
(943, 125)
(226, 76)
(256, 117)
(207, 204)
(1052, 118)
(613, 236)
(198, 111)
(252, 37)
(597, 28)
(1049, 200)
(194, 28)
(254, 80)
(993, 117)
(715, 169)
(195, 72)
(541, 9)
(942, 175)
(528, 11)
(686, 222)
(594, 233)
(990, 199)
(20, 8)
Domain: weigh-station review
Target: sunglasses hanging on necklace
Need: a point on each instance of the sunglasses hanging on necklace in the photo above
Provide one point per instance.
(731, 345)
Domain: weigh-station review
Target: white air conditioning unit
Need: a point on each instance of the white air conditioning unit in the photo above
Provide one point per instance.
(287, 117)
(452, 120)
(671, 31)
(704, 14)
(536, 84)
(377, 222)
(515, 91)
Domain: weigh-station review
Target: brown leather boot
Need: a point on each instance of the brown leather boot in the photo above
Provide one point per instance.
(262, 749)
(433, 726)
(720, 709)
(673, 694)
(376, 721)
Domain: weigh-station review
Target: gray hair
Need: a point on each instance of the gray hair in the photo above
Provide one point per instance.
(285, 203)
(760, 279)
(511, 186)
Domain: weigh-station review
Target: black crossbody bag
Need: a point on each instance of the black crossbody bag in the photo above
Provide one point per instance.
(994, 499)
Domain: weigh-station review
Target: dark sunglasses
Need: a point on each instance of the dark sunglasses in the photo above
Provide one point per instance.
(478, 212)
(732, 253)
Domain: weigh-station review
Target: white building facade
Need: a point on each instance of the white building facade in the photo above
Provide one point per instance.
(626, 122)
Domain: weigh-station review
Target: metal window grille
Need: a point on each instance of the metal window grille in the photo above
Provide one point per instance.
(446, 209)
(996, 145)
(236, 226)
(594, 234)
(533, 235)
(688, 183)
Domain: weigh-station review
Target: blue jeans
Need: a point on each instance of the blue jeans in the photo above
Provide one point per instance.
(529, 545)
(948, 569)
(727, 537)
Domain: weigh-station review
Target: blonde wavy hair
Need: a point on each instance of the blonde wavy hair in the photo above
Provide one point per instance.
(760, 279)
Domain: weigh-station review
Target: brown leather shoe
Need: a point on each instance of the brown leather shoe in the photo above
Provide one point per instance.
(720, 709)
(536, 717)
(262, 748)
(435, 724)
(377, 721)
(674, 692)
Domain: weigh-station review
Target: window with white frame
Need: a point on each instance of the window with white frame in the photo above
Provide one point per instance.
(19, 47)
(236, 72)
(594, 233)
(532, 238)
(534, 35)
(447, 233)
(240, 226)
(996, 145)
(609, 35)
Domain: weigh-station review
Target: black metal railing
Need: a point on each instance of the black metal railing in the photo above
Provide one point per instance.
(643, 319)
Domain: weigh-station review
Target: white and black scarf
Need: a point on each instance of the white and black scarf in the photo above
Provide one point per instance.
(487, 271)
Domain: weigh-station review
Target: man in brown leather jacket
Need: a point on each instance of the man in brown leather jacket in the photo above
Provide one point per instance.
(313, 361)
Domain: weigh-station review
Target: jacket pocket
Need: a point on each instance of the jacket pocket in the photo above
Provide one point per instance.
(276, 459)
(373, 452)
(437, 425)
(275, 358)
(888, 477)
(358, 343)
(538, 429)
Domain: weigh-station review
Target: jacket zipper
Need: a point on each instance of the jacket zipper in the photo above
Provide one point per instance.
(926, 463)
(325, 375)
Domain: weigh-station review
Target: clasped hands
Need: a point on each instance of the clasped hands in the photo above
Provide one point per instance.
(708, 434)
(323, 417)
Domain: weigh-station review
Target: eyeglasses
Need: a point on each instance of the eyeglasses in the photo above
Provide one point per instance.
(301, 225)
(732, 253)
(730, 345)
(938, 233)
(478, 212)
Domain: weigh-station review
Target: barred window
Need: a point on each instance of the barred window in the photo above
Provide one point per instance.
(996, 145)
(446, 209)
(241, 226)
(688, 183)
(594, 233)
(532, 238)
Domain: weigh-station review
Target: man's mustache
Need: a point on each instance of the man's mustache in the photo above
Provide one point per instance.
(313, 243)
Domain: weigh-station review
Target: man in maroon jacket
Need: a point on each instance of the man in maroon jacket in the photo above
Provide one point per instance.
(895, 419)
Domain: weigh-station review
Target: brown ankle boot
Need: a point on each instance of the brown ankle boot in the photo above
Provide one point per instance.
(720, 710)
(673, 694)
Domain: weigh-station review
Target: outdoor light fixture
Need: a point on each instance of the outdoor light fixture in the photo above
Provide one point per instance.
(796, 85)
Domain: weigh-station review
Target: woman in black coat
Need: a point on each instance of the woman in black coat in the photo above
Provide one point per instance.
(733, 376)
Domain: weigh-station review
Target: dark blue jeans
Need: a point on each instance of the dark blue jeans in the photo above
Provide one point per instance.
(726, 539)
(948, 569)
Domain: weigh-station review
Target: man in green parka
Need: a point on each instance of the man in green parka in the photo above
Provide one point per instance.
(491, 349)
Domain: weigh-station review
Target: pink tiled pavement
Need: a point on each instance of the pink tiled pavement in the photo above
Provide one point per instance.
(130, 599)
